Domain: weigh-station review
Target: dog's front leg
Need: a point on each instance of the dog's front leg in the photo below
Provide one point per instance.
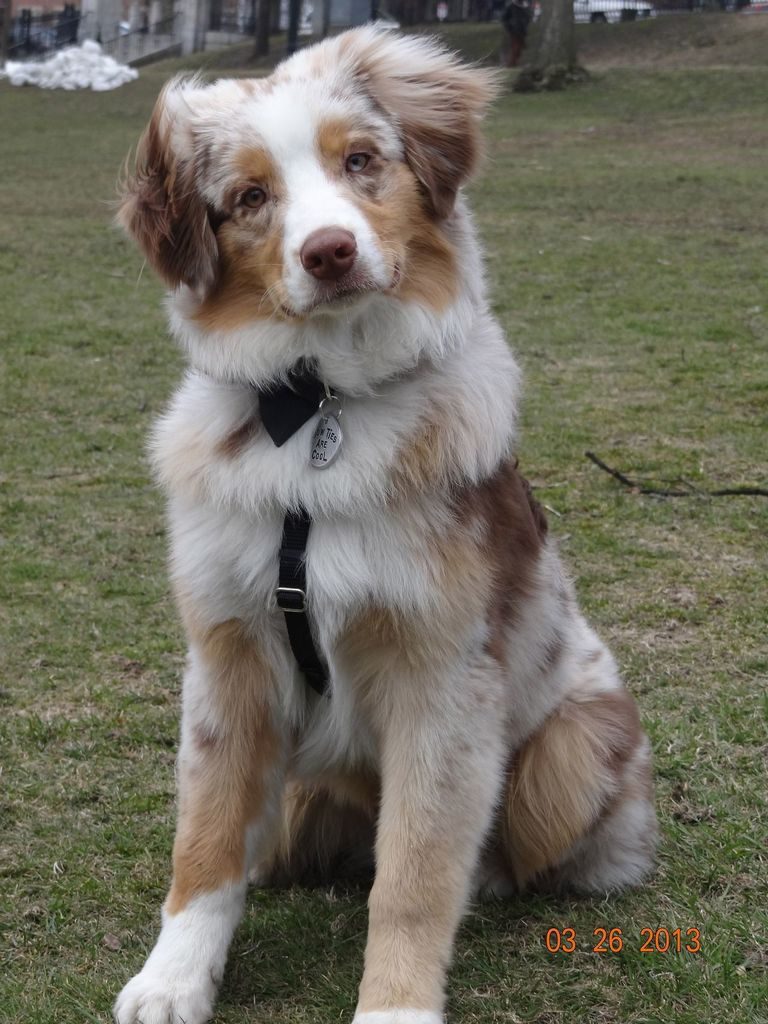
(230, 772)
(441, 768)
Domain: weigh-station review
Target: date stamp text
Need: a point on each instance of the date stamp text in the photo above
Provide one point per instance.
(613, 940)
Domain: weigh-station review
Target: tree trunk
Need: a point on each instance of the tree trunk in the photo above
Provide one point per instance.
(5, 31)
(294, 16)
(263, 26)
(551, 62)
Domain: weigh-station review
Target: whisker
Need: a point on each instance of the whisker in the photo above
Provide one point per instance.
(268, 295)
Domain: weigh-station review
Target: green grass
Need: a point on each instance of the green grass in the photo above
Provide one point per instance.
(625, 223)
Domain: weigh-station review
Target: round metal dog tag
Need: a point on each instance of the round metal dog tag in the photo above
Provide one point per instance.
(328, 438)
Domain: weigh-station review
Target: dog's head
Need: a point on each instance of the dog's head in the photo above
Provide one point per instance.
(301, 194)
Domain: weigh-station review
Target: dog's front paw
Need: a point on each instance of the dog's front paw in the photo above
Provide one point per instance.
(151, 998)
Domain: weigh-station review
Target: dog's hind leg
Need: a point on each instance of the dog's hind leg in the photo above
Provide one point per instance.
(578, 808)
(327, 834)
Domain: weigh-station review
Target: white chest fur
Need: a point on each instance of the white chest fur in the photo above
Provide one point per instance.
(230, 564)
(227, 507)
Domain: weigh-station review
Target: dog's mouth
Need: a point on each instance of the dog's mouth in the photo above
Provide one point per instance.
(344, 293)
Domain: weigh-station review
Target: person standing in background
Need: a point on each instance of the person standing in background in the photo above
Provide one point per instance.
(516, 18)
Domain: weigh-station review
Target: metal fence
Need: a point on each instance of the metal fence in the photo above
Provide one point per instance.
(32, 35)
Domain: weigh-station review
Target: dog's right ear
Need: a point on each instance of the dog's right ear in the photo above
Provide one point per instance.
(161, 205)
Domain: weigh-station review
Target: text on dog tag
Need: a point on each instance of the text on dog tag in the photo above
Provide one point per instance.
(326, 442)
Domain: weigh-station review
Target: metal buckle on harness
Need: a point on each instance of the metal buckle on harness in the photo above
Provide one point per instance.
(291, 599)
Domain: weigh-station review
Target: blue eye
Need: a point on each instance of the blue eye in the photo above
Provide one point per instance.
(357, 162)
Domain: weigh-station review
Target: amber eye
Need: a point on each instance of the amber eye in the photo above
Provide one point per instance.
(357, 162)
(254, 198)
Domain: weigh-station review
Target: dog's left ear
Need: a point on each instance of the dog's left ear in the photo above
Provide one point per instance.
(436, 100)
(161, 206)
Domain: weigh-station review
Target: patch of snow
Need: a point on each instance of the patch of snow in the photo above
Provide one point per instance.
(76, 67)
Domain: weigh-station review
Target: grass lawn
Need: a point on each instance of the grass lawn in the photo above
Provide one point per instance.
(626, 228)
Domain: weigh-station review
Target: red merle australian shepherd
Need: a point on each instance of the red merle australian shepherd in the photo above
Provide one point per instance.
(386, 658)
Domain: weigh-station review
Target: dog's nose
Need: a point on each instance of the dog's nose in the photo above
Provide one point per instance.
(329, 253)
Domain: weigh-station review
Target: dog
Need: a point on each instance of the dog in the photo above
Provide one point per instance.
(423, 694)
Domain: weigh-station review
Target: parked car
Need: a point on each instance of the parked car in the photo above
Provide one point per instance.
(611, 10)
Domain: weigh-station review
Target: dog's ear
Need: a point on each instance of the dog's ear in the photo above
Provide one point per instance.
(161, 206)
(436, 101)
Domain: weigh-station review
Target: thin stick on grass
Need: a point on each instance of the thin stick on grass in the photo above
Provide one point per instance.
(639, 488)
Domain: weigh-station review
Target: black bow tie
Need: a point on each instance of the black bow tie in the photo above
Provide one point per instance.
(287, 406)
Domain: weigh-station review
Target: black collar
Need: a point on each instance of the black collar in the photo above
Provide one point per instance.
(286, 407)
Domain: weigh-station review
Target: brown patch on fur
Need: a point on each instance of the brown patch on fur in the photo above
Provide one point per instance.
(442, 163)
(331, 141)
(381, 642)
(430, 272)
(182, 462)
(249, 283)
(163, 210)
(234, 443)
(360, 790)
(256, 167)
(384, 636)
(422, 463)
(515, 529)
(483, 566)
(222, 773)
(616, 714)
(427, 461)
(410, 238)
(564, 777)
(338, 137)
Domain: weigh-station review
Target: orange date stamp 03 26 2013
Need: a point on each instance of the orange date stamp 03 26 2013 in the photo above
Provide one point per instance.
(613, 940)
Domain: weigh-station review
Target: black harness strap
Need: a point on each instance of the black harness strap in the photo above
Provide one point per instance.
(291, 595)
(284, 408)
